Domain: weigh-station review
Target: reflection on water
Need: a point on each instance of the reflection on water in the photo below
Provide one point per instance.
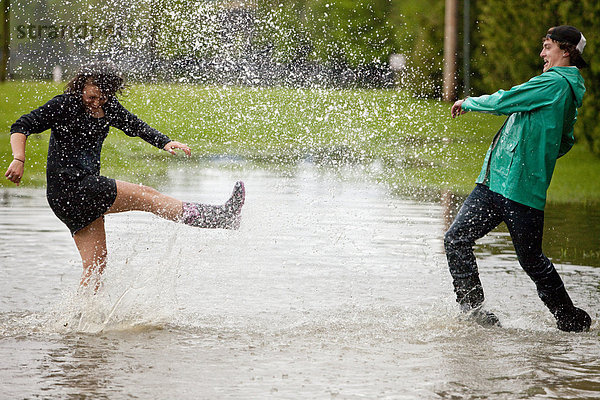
(80, 364)
(331, 288)
(571, 232)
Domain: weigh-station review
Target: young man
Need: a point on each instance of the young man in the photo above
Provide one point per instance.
(516, 173)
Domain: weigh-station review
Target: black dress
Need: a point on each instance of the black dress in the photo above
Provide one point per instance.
(75, 190)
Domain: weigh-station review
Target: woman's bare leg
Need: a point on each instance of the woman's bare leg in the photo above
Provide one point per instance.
(132, 197)
(91, 243)
(91, 240)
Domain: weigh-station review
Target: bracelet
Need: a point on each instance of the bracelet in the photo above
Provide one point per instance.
(18, 159)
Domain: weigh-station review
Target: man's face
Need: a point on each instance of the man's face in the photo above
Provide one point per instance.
(553, 55)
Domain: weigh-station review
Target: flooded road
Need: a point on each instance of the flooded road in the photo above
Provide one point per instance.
(332, 288)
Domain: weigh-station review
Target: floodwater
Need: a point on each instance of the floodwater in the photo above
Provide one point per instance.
(332, 288)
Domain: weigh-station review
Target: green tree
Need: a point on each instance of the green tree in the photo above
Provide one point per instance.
(586, 16)
(511, 43)
(350, 32)
(419, 35)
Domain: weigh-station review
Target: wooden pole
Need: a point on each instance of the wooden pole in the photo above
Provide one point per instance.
(450, 43)
(5, 45)
(467, 48)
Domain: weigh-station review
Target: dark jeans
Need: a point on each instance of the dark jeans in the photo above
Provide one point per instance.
(481, 212)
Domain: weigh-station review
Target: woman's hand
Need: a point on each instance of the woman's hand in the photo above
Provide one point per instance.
(456, 109)
(172, 145)
(15, 170)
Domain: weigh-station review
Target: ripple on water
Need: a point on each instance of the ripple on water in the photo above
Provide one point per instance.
(330, 288)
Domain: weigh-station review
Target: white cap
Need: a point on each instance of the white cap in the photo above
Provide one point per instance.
(581, 45)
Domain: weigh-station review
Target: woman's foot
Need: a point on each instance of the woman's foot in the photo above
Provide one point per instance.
(233, 206)
(227, 216)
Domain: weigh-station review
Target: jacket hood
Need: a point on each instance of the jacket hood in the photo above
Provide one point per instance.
(572, 75)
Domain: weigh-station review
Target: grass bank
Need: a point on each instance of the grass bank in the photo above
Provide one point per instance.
(419, 147)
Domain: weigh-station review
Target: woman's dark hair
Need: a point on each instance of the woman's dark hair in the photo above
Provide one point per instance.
(105, 75)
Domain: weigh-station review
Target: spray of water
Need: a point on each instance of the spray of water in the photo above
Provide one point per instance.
(269, 82)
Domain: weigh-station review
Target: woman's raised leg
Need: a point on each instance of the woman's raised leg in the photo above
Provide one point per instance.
(132, 197)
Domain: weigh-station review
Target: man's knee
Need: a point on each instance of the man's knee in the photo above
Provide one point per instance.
(454, 240)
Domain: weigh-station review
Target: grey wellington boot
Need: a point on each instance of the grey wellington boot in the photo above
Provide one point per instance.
(226, 216)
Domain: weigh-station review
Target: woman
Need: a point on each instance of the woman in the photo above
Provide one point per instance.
(79, 120)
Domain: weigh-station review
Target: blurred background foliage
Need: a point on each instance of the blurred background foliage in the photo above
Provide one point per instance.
(340, 43)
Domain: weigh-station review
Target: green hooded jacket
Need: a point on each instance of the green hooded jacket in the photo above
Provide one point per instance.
(542, 111)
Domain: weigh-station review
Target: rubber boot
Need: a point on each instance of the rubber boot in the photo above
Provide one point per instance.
(469, 292)
(469, 296)
(226, 216)
(568, 317)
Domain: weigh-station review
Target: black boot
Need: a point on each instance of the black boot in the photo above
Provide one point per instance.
(469, 292)
(226, 216)
(469, 296)
(568, 317)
